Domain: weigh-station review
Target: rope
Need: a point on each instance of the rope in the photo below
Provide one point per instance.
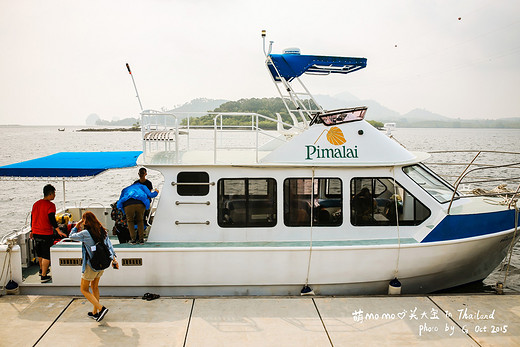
(498, 203)
(397, 224)
(7, 263)
(500, 189)
(312, 218)
(510, 251)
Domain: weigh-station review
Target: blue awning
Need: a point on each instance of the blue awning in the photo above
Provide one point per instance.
(70, 165)
(290, 66)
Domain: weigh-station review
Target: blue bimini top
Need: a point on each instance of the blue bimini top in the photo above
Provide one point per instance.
(290, 66)
(70, 165)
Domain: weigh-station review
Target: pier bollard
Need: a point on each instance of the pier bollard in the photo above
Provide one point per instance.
(394, 287)
(12, 288)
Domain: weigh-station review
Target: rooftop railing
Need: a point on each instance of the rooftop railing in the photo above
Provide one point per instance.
(163, 131)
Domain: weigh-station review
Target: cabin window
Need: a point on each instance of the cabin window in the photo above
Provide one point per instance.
(376, 201)
(324, 202)
(188, 183)
(247, 202)
(439, 189)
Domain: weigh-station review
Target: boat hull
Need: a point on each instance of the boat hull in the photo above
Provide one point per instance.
(348, 270)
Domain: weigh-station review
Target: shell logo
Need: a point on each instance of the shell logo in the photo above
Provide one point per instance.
(334, 136)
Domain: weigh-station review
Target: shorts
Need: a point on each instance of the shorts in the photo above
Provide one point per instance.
(42, 245)
(90, 274)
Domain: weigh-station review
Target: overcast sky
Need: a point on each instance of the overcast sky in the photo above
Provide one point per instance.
(63, 60)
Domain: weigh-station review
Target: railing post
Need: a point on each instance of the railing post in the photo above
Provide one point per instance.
(457, 182)
(513, 197)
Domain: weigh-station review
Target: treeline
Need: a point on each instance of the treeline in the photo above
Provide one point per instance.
(266, 106)
(122, 122)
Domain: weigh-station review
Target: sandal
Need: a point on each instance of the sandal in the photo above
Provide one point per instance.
(153, 297)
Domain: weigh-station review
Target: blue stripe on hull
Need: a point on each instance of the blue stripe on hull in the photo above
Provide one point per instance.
(454, 227)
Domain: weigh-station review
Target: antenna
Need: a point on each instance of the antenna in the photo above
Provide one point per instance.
(136, 92)
(270, 43)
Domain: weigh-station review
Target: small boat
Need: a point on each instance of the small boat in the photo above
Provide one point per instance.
(327, 204)
(61, 129)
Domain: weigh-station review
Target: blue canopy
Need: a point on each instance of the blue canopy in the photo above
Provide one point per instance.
(71, 164)
(290, 66)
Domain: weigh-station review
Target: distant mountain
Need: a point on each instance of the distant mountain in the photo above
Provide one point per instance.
(199, 105)
(417, 118)
(424, 115)
(376, 111)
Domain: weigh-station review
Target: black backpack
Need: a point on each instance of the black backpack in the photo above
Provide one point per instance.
(100, 259)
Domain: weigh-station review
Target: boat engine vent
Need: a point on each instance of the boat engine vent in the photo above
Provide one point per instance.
(132, 262)
(70, 261)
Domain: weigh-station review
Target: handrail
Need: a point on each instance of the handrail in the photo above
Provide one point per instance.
(151, 121)
(483, 178)
(459, 179)
(179, 223)
(467, 172)
(255, 118)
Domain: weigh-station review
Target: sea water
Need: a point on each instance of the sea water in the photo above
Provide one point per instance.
(20, 143)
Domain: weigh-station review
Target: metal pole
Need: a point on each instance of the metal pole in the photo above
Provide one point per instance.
(64, 194)
(135, 87)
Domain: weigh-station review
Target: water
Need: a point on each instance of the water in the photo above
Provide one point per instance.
(23, 143)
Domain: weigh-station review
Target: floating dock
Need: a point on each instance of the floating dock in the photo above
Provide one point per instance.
(434, 320)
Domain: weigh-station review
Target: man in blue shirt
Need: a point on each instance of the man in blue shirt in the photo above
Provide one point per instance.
(134, 201)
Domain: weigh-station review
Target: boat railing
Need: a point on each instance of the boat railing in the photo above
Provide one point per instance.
(220, 127)
(163, 129)
(486, 174)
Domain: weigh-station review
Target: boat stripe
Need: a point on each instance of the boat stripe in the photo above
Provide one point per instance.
(454, 227)
(212, 244)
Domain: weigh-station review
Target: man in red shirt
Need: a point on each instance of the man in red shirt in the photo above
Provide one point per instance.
(43, 224)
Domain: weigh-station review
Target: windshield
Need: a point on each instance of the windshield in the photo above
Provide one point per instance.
(440, 190)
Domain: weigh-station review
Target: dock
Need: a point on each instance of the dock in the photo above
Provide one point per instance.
(431, 320)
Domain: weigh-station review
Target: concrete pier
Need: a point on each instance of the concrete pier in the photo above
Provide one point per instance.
(434, 320)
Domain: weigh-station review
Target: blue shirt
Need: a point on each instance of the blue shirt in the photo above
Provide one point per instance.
(136, 191)
(88, 242)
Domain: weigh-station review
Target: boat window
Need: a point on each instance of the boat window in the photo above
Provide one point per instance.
(376, 201)
(435, 186)
(187, 183)
(246, 202)
(326, 205)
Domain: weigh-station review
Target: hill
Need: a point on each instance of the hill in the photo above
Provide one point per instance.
(199, 105)
(417, 118)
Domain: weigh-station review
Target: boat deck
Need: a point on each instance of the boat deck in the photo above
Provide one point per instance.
(435, 320)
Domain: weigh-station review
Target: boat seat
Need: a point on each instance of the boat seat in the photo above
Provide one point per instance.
(162, 135)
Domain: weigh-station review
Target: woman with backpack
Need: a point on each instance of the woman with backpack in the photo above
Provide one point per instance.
(90, 232)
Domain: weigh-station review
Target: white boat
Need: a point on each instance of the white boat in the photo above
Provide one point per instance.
(327, 203)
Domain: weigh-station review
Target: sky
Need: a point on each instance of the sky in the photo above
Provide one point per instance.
(63, 60)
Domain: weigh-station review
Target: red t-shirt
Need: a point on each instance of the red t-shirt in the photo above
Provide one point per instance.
(40, 217)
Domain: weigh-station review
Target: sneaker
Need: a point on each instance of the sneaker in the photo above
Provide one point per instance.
(44, 279)
(102, 314)
(92, 315)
